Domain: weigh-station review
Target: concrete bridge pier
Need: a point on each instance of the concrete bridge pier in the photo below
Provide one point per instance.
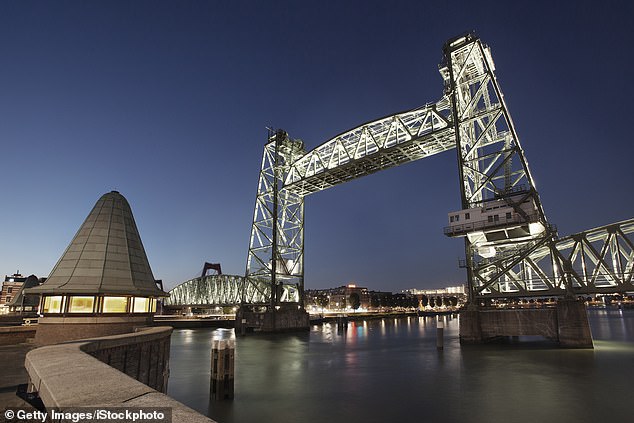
(567, 323)
(286, 318)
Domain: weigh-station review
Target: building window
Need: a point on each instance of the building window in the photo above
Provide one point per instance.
(451, 219)
(509, 215)
(153, 308)
(496, 218)
(141, 305)
(115, 304)
(7, 300)
(53, 304)
(457, 217)
(467, 216)
(81, 304)
(9, 290)
(490, 219)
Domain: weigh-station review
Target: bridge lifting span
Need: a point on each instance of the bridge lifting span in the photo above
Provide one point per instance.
(511, 249)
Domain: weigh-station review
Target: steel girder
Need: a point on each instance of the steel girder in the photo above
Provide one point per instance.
(374, 146)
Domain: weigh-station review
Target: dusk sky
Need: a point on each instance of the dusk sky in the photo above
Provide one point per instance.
(168, 103)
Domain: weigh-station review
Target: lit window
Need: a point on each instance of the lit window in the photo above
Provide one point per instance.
(115, 304)
(141, 305)
(81, 304)
(153, 309)
(53, 304)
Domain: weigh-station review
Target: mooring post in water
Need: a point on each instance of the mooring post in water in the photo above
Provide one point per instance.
(222, 364)
(440, 326)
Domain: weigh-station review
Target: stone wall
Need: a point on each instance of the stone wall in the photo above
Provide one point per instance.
(53, 329)
(69, 375)
(519, 322)
(143, 355)
(567, 323)
(11, 335)
(286, 319)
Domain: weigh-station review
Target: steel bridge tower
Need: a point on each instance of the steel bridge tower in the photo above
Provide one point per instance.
(275, 262)
(502, 218)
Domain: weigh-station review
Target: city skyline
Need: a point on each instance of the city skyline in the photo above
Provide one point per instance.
(168, 103)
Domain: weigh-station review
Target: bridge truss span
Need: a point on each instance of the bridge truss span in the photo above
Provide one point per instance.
(374, 146)
(226, 290)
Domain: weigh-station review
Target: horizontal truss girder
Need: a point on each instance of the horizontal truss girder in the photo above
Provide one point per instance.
(374, 146)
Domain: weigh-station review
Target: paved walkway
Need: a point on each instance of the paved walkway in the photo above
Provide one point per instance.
(13, 374)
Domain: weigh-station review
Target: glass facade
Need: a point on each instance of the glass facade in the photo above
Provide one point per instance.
(53, 304)
(81, 304)
(58, 304)
(141, 305)
(115, 304)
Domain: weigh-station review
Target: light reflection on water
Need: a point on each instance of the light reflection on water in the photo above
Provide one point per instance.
(390, 370)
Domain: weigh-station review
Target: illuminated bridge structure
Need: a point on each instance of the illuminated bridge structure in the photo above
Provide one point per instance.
(511, 249)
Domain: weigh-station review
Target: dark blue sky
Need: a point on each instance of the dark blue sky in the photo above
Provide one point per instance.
(167, 102)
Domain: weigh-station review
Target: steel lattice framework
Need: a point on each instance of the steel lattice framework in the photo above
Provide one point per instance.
(275, 262)
(517, 255)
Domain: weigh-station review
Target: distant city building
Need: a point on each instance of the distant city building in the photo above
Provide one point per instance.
(10, 288)
(450, 290)
(451, 296)
(338, 298)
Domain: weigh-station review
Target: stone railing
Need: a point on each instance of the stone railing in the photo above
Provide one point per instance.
(76, 374)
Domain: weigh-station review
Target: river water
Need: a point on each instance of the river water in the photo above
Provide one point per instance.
(390, 371)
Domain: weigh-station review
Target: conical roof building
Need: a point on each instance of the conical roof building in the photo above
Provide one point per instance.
(103, 283)
(106, 255)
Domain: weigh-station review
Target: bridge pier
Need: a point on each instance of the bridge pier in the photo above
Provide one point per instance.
(287, 318)
(567, 323)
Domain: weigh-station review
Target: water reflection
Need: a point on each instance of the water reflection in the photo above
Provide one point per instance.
(390, 370)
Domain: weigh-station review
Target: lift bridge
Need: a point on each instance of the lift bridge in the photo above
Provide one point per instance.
(511, 249)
